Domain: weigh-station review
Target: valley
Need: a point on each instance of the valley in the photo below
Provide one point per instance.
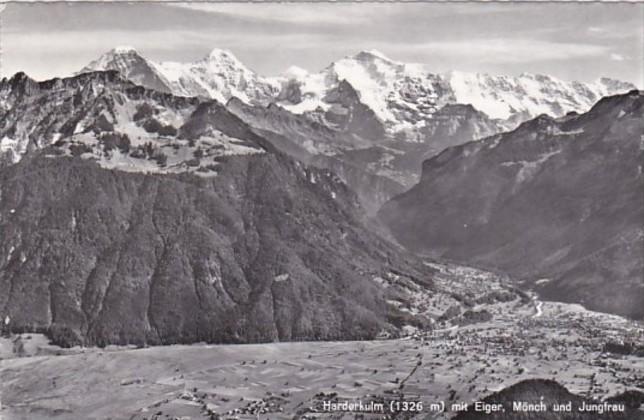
(556, 203)
(459, 361)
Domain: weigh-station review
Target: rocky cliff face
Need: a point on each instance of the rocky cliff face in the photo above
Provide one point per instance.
(103, 117)
(132, 66)
(325, 146)
(376, 168)
(140, 217)
(556, 202)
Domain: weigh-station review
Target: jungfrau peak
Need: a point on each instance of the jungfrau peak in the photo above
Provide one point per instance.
(222, 55)
(401, 95)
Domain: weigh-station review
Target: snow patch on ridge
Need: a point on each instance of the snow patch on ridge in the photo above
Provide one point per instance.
(124, 49)
(295, 72)
(376, 53)
(529, 168)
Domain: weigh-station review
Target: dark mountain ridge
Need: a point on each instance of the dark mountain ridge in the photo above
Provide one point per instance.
(549, 392)
(374, 166)
(557, 203)
(103, 242)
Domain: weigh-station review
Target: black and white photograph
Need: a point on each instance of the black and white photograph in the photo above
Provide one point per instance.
(321, 210)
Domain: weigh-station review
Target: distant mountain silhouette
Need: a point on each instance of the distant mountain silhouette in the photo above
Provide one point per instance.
(535, 391)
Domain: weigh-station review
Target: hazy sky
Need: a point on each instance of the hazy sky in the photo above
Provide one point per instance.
(570, 41)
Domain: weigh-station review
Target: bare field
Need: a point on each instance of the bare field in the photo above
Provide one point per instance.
(285, 380)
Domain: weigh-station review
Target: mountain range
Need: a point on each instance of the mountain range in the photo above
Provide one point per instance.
(146, 202)
(401, 95)
(137, 216)
(557, 203)
(370, 119)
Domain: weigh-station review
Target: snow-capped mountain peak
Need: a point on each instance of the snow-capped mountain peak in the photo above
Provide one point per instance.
(224, 63)
(124, 49)
(219, 52)
(218, 75)
(295, 72)
(400, 95)
(219, 55)
(516, 98)
(132, 65)
(403, 96)
(370, 55)
(121, 57)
